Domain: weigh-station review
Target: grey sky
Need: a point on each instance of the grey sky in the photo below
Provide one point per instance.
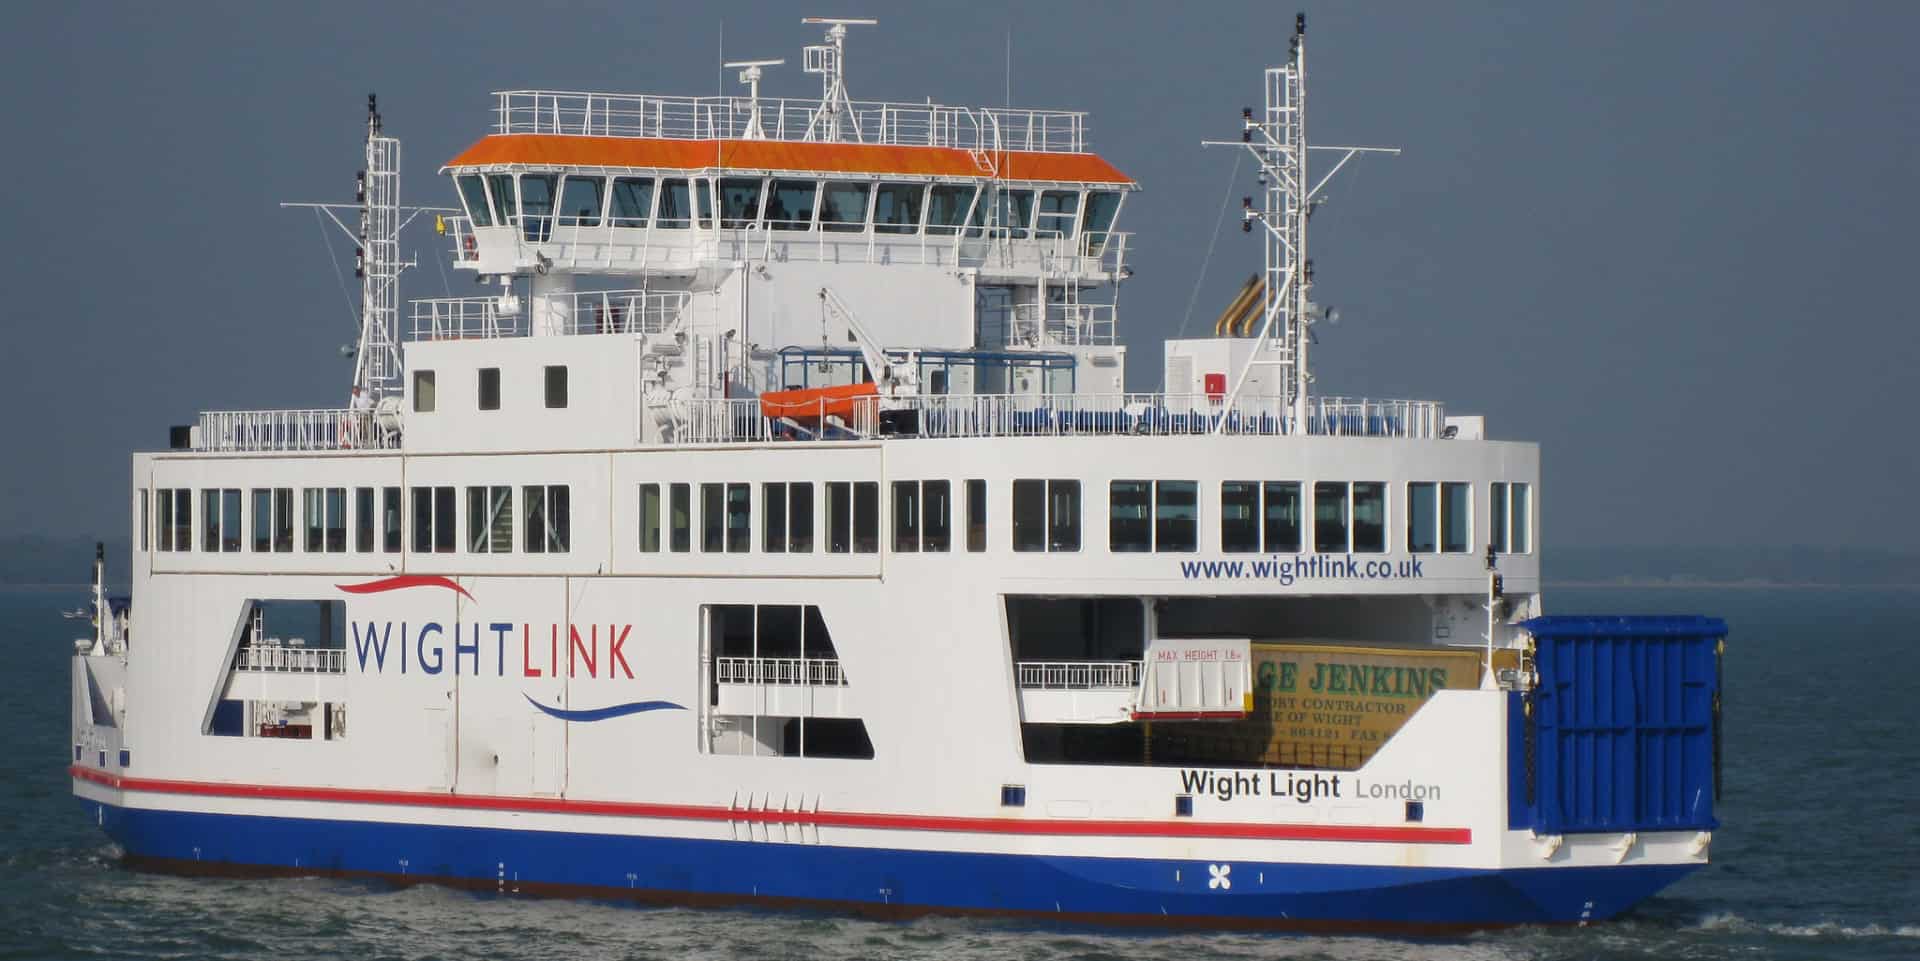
(1669, 242)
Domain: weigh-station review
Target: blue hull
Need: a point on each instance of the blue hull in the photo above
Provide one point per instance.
(885, 882)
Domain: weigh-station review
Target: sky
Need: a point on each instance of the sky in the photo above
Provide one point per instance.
(1671, 243)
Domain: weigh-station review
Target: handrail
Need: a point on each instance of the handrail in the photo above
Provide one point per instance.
(1079, 675)
(811, 671)
(290, 430)
(291, 660)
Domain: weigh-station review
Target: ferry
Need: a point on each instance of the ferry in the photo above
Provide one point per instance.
(774, 527)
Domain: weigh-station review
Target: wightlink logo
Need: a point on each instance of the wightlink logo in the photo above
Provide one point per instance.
(495, 649)
(1314, 567)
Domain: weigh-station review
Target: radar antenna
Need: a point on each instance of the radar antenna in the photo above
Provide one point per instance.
(1277, 138)
(750, 75)
(829, 61)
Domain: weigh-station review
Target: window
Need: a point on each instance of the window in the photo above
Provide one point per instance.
(843, 206)
(336, 520)
(1369, 517)
(976, 515)
(839, 517)
(936, 515)
(948, 206)
(326, 512)
(1176, 516)
(490, 520)
(676, 205)
(505, 206)
(1507, 518)
(363, 515)
(230, 533)
(866, 517)
(906, 515)
(1128, 527)
(165, 514)
(1456, 518)
(474, 194)
(1102, 206)
(703, 203)
(739, 518)
(896, 208)
(1046, 515)
(489, 388)
(1059, 209)
(788, 523)
(210, 520)
(536, 206)
(773, 518)
(283, 520)
(713, 520)
(314, 508)
(1330, 517)
(183, 519)
(682, 517)
(262, 519)
(557, 386)
(390, 520)
(1239, 517)
(1014, 212)
(423, 400)
(1281, 516)
(739, 202)
(650, 518)
(1437, 518)
(580, 201)
(548, 518)
(632, 201)
(146, 521)
(433, 520)
(790, 204)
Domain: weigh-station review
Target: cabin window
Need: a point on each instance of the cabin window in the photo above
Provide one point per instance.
(146, 519)
(1128, 528)
(800, 517)
(210, 520)
(473, 193)
(1423, 517)
(423, 399)
(739, 202)
(1046, 515)
(843, 206)
(713, 521)
(676, 205)
(183, 519)
(326, 512)
(549, 522)
(314, 509)
(1369, 517)
(556, 386)
(165, 519)
(489, 388)
(1014, 212)
(632, 201)
(1239, 517)
(650, 518)
(1063, 515)
(1176, 516)
(490, 520)
(739, 518)
(936, 515)
(906, 516)
(1521, 527)
(505, 207)
(1508, 517)
(682, 517)
(866, 517)
(536, 206)
(1059, 210)
(262, 520)
(433, 520)
(1102, 207)
(948, 206)
(230, 532)
(839, 517)
(581, 201)
(976, 516)
(363, 516)
(1281, 511)
(1456, 518)
(1330, 517)
(896, 208)
(390, 539)
(790, 204)
(773, 517)
(788, 517)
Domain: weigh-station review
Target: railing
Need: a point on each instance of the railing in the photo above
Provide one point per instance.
(1079, 675)
(613, 311)
(463, 318)
(788, 119)
(814, 672)
(291, 660)
(1066, 325)
(714, 421)
(340, 429)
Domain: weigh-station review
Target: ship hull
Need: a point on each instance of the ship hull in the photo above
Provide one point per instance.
(879, 882)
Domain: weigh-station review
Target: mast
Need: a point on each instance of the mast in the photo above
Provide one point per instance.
(378, 264)
(829, 60)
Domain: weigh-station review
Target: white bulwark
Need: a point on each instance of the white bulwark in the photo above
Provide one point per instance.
(775, 525)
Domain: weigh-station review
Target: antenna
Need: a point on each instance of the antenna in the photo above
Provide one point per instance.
(750, 75)
(829, 61)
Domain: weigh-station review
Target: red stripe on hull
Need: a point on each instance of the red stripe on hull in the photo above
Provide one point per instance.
(404, 581)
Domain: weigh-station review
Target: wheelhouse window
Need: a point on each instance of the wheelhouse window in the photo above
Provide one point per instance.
(1059, 211)
(505, 206)
(1013, 211)
(581, 201)
(948, 206)
(536, 206)
(423, 393)
(1046, 515)
(433, 520)
(703, 203)
(473, 193)
(790, 204)
(739, 202)
(489, 388)
(490, 520)
(1102, 207)
(676, 204)
(843, 206)
(896, 208)
(549, 518)
(632, 201)
(976, 516)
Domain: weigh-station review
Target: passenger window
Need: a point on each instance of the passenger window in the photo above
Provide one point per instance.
(790, 204)
(489, 388)
(283, 520)
(390, 520)
(1239, 517)
(896, 208)
(1369, 517)
(739, 518)
(866, 517)
(906, 516)
(713, 520)
(164, 519)
(1330, 517)
(682, 517)
(423, 394)
(1063, 515)
(473, 193)
(146, 519)
(363, 516)
(632, 201)
(1029, 515)
(1423, 517)
(1517, 539)
(843, 206)
(549, 520)
(1059, 209)
(739, 203)
(676, 205)
(800, 517)
(936, 513)
(536, 206)
(650, 518)
(314, 508)
(1176, 516)
(839, 517)
(1456, 528)
(1128, 527)
(556, 386)
(210, 520)
(490, 520)
(1497, 517)
(948, 206)
(505, 207)
(336, 502)
(976, 515)
(1280, 512)
(433, 520)
(581, 201)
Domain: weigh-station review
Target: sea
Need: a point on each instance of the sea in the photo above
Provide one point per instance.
(1818, 855)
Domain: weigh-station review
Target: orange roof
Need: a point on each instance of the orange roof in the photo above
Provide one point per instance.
(554, 150)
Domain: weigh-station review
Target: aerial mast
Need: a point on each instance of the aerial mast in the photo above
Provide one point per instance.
(378, 264)
(750, 75)
(829, 61)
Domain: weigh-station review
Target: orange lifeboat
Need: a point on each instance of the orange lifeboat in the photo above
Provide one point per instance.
(810, 404)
